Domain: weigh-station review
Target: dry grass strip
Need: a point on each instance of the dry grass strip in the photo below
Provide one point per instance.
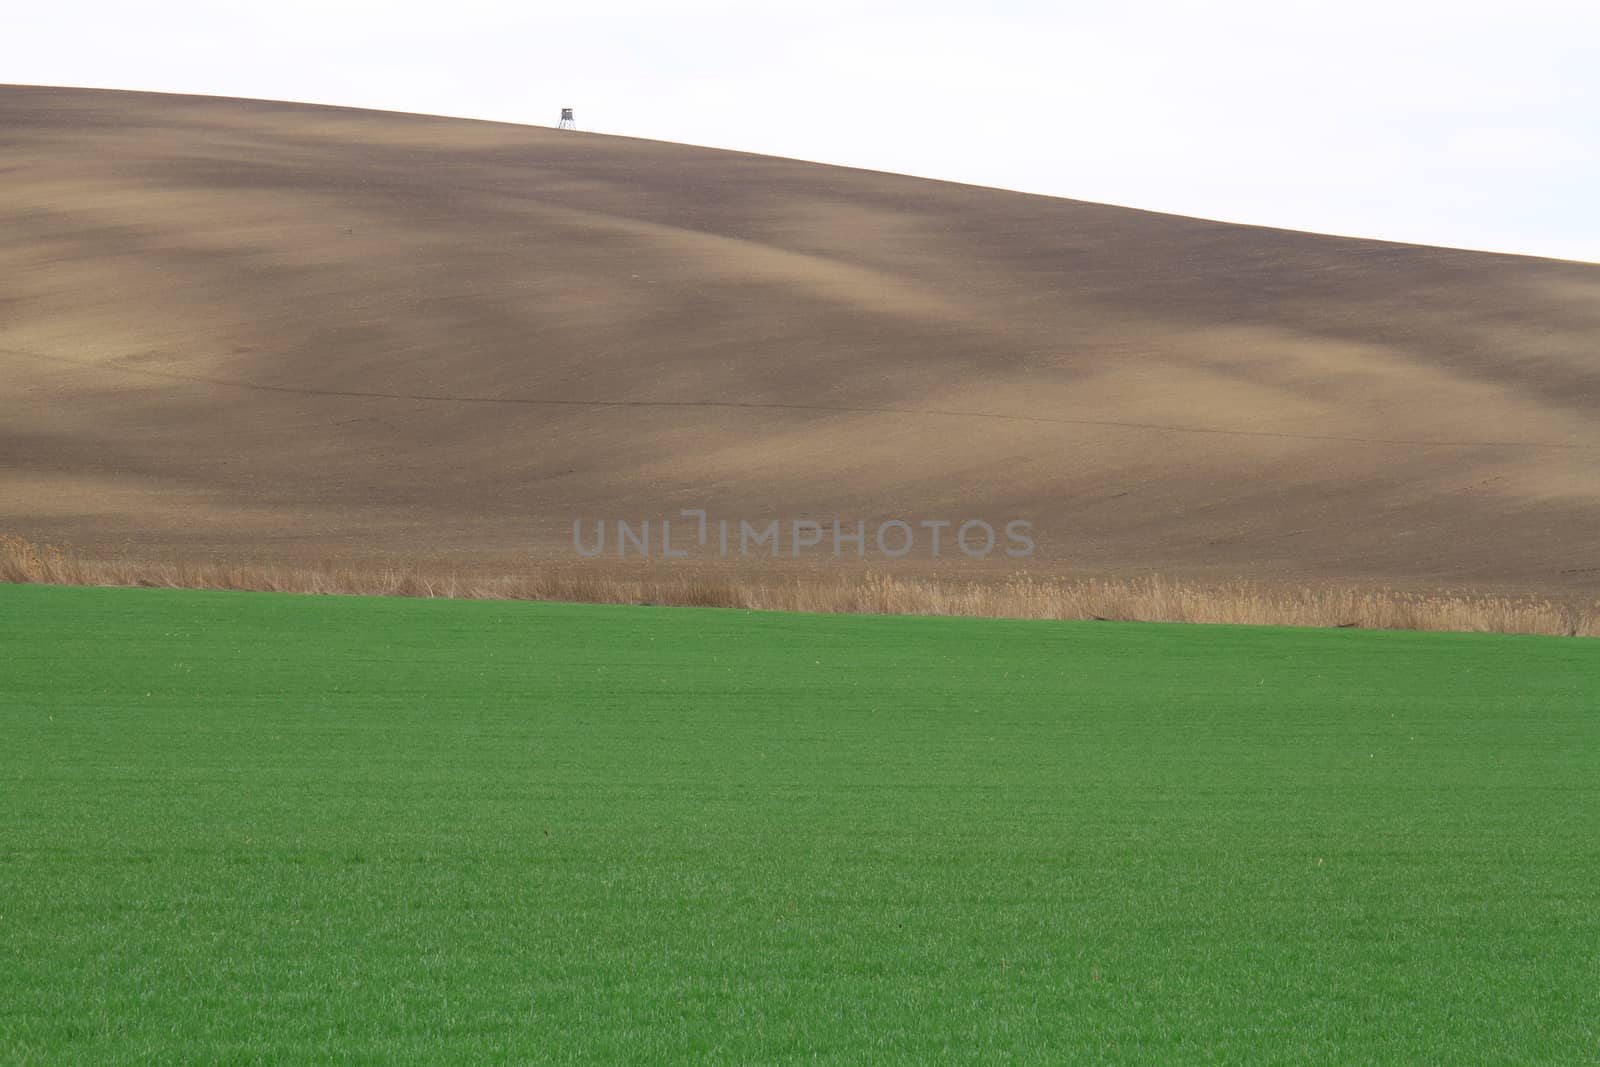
(1142, 599)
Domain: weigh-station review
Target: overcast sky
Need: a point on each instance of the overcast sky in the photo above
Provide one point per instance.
(1458, 123)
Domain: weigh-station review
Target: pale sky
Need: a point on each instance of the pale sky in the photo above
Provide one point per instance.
(1458, 123)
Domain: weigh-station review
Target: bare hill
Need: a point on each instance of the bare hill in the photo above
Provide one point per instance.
(247, 330)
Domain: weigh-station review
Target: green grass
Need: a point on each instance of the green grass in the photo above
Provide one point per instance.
(256, 828)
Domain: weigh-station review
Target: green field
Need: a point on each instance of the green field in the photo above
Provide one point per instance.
(260, 828)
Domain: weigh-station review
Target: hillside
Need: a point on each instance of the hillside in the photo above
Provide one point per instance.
(247, 330)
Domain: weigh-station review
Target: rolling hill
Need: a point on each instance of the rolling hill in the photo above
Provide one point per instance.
(235, 329)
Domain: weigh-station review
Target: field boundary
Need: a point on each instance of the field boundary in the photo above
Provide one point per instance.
(1150, 599)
